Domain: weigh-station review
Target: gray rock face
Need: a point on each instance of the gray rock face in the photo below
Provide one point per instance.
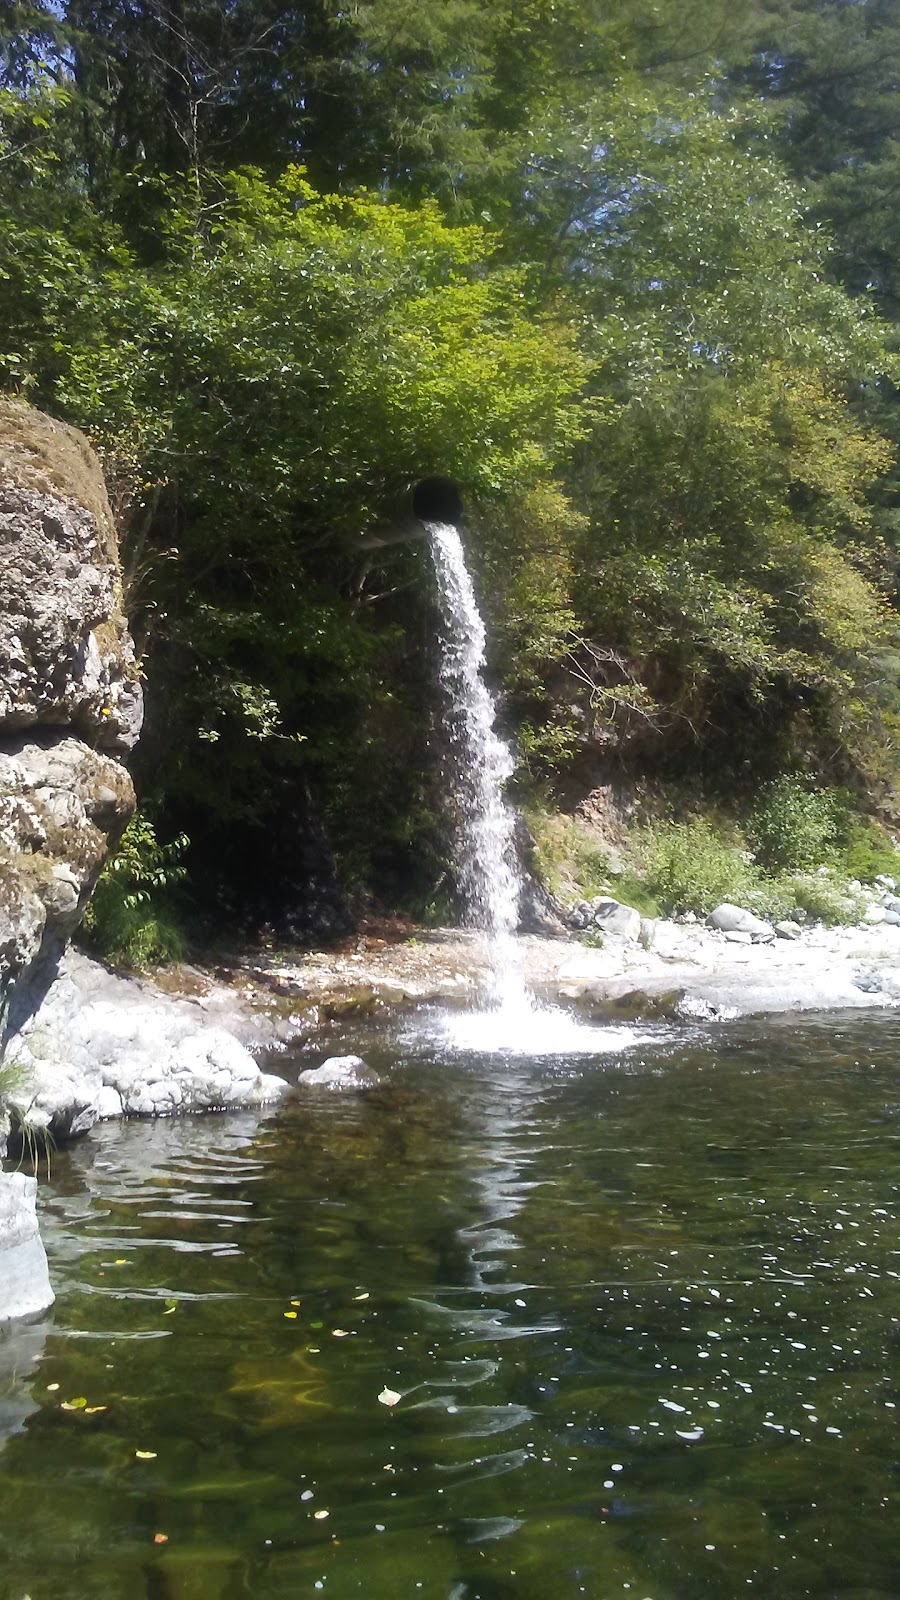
(70, 698)
(66, 659)
(24, 1281)
(735, 919)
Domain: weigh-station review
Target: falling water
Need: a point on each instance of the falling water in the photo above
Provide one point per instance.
(490, 878)
(489, 872)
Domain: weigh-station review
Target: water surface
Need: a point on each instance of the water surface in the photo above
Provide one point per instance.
(638, 1307)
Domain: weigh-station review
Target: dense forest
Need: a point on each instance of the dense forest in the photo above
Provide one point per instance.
(627, 273)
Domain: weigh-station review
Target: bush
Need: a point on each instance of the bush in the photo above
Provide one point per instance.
(868, 853)
(131, 918)
(795, 828)
(825, 900)
(688, 866)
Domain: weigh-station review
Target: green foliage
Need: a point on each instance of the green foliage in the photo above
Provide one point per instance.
(823, 899)
(867, 852)
(565, 856)
(12, 1075)
(689, 866)
(795, 826)
(131, 918)
(553, 251)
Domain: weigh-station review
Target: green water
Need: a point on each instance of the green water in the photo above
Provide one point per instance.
(638, 1309)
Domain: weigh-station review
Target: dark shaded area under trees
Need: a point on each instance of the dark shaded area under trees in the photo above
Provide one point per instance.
(625, 275)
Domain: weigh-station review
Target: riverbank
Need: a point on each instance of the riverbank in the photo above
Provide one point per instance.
(689, 970)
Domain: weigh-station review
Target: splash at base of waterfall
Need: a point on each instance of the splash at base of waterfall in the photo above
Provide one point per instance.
(517, 1024)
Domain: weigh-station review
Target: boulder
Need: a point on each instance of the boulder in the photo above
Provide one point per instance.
(24, 1280)
(788, 929)
(735, 919)
(623, 922)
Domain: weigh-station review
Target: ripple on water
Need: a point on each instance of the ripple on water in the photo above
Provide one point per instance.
(638, 1322)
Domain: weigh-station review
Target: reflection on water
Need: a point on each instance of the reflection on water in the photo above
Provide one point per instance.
(637, 1309)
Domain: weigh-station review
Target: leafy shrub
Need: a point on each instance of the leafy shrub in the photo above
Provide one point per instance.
(822, 899)
(795, 827)
(130, 918)
(868, 853)
(688, 866)
(565, 854)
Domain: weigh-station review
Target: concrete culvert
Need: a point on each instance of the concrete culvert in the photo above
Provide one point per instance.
(437, 500)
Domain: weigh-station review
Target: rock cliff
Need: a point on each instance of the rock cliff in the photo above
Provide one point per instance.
(82, 1044)
(70, 695)
(70, 708)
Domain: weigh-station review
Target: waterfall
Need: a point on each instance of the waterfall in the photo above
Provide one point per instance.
(490, 879)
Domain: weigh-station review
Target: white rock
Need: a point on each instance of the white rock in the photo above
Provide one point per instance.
(24, 1280)
(788, 929)
(735, 936)
(109, 1103)
(736, 919)
(874, 914)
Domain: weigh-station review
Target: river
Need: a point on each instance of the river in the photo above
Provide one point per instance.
(636, 1306)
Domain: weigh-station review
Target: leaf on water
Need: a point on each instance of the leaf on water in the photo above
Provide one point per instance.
(91, 1411)
(390, 1397)
(296, 1302)
(291, 1316)
(361, 1296)
(171, 1305)
(339, 1333)
(160, 1538)
(145, 1455)
(52, 1388)
(317, 1324)
(78, 1404)
(320, 1515)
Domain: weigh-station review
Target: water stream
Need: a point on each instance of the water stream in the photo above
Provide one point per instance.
(482, 762)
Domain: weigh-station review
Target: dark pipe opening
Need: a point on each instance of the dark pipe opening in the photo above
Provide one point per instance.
(437, 500)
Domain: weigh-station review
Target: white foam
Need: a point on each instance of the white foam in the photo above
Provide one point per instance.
(528, 1030)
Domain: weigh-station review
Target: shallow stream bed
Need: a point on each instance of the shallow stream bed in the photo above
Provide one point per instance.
(637, 1306)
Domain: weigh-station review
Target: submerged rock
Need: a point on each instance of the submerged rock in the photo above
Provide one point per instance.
(24, 1280)
(339, 1072)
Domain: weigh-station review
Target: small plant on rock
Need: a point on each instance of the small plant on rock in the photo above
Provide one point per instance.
(131, 918)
